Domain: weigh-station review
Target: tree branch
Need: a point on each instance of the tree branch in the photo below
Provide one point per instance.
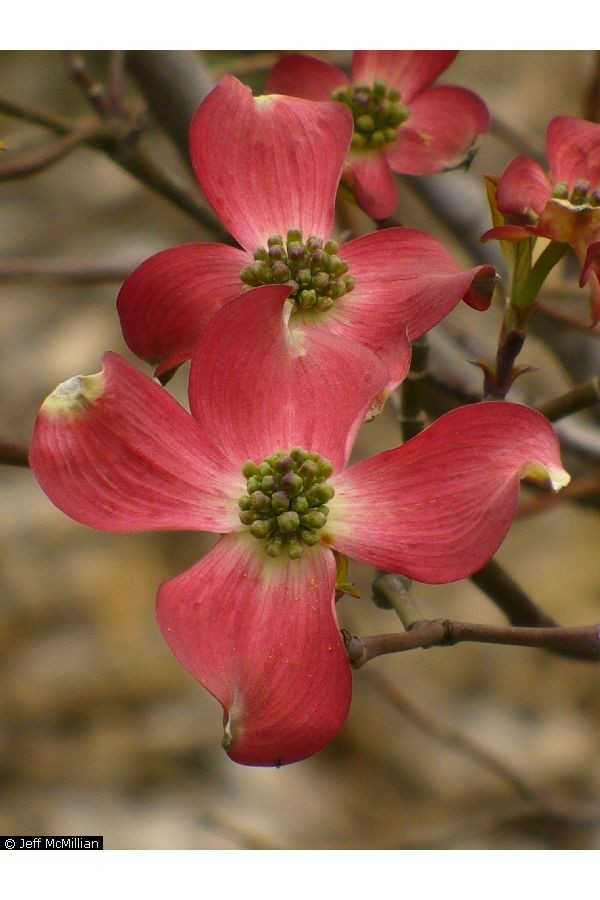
(14, 454)
(580, 643)
(451, 736)
(581, 397)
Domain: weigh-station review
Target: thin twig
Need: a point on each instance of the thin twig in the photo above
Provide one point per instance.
(581, 642)
(92, 88)
(116, 70)
(37, 115)
(581, 397)
(510, 597)
(451, 736)
(409, 405)
(577, 490)
(14, 454)
(23, 168)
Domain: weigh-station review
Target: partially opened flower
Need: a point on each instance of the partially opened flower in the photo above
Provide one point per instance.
(401, 123)
(270, 167)
(563, 205)
(261, 461)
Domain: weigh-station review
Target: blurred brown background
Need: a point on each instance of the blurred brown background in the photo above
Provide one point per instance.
(101, 731)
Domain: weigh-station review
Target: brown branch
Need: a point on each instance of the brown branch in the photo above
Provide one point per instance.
(577, 490)
(14, 454)
(91, 87)
(173, 82)
(510, 598)
(23, 168)
(451, 736)
(37, 115)
(116, 71)
(580, 643)
(581, 397)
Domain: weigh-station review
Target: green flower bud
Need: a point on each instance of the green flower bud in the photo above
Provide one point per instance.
(331, 247)
(307, 299)
(268, 484)
(288, 522)
(260, 502)
(334, 265)
(254, 484)
(284, 464)
(261, 253)
(580, 189)
(261, 271)
(313, 519)
(296, 252)
(397, 115)
(304, 276)
(320, 281)
(292, 484)
(281, 273)
(247, 517)
(265, 469)
(294, 236)
(343, 94)
(245, 502)
(324, 303)
(309, 470)
(275, 240)
(349, 283)
(337, 289)
(294, 549)
(319, 493)
(276, 253)
(248, 277)
(249, 468)
(300, 504)
(390, 134)
(274, 546)
(314, 243)
(280, 502)
(378, 139)
(358, 140)
(309, 537)
(298, 454)
(393, 95)
(325, 468)
(365, 123)
(319, 260)
(262, 528)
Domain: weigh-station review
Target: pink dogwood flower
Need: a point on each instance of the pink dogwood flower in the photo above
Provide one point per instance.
(401, 123)
(270, 167)
(564, 205)
(261, 460)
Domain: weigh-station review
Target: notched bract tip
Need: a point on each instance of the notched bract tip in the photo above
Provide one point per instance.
(74, 395)
(545, 476)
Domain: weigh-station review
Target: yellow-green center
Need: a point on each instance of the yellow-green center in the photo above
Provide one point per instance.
(377, 113)
(316, 273)
(285, 501)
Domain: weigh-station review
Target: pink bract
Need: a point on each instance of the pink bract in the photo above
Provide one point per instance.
(269, 165)
(439, 133)
(116, 452)
(563, 205)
